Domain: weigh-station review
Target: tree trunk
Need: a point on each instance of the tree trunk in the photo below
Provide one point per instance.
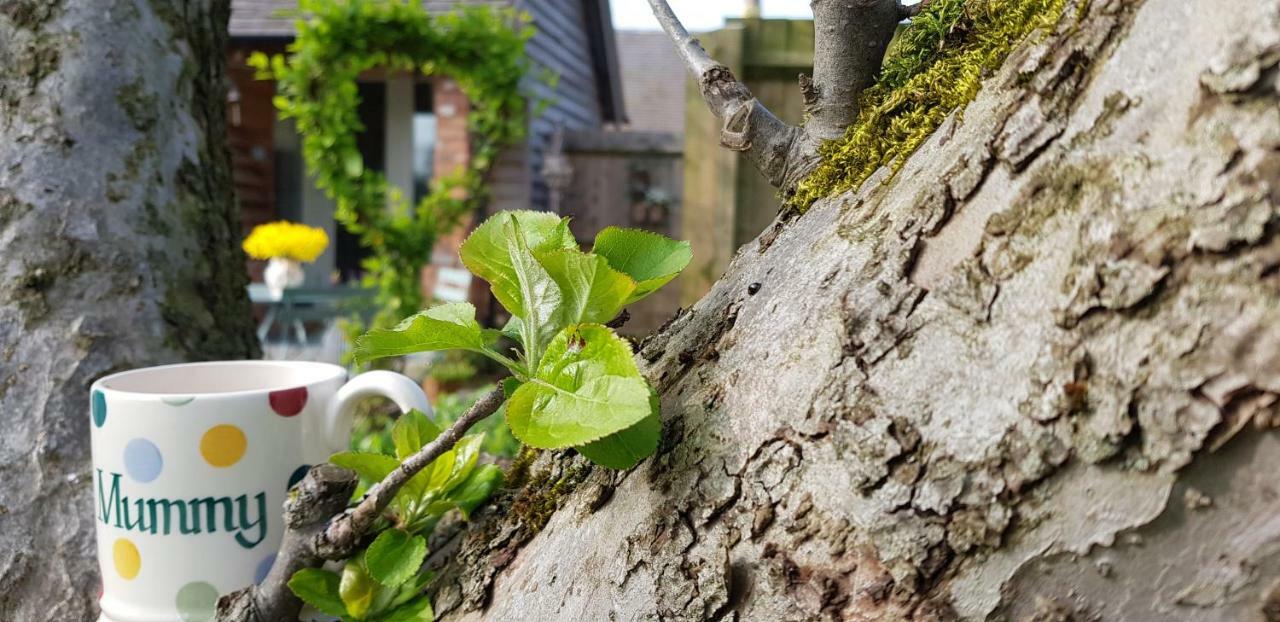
(1031, 376)
(118, 249)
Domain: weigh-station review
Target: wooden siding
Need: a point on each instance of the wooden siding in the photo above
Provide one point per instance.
(560, 47)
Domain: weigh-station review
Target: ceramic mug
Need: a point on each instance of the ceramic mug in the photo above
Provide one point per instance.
(191, 467)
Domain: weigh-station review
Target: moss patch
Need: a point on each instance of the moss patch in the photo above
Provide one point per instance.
(936, 65)
(139, 104)
(541, 493)
(31, 14)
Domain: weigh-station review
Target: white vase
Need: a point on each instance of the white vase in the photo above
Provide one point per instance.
(282, 273)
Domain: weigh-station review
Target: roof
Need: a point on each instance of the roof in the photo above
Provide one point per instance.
(652, 81)
(269, 19)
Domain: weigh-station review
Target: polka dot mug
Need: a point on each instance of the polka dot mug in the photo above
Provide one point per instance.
(191, 467)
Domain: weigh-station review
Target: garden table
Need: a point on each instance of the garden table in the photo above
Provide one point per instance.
(296, 306)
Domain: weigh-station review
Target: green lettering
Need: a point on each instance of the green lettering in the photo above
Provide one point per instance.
(260, 522)
(107, 504)
(129, 523)
(211, 513)
(154, 504)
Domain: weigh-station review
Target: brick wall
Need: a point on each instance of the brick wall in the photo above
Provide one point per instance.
(453, 151)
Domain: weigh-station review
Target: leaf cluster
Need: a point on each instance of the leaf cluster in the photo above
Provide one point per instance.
(384, 582)
(337, 41)
(574, 381)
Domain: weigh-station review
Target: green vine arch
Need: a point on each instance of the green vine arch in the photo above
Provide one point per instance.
(481, 48)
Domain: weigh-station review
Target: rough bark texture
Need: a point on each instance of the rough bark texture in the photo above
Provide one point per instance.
(1030, 377)
(118, 249)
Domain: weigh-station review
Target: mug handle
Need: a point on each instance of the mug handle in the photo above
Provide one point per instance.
(396, 387)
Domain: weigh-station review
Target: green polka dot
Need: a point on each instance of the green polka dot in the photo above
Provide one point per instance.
(197, 601)
(173, 400)
(99, 407)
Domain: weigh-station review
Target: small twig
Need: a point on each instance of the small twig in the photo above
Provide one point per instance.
(343, 534)
(312, 533)
(850, 39)
(908, 11)
(320, 495)
(620, 321)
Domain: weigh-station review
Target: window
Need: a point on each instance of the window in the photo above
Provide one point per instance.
(424, 140)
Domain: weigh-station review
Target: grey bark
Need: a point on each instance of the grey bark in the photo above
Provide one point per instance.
(850, 39)
(118, 249)
(1032, 376)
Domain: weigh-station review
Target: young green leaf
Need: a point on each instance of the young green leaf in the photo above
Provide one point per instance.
(411, 590)
(586, 388)
(476, 489)
(318, 588)
(356, 589)
(539, 296)
(625, 449)
(372, 467)
(487, 252)
(445, 327)
(509, 386)
(451, 467)
(417, 610)
(411, 432)
(395, 557)
(591, 291)
(649, 258)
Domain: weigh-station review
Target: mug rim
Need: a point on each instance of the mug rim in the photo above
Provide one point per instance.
(316, 372)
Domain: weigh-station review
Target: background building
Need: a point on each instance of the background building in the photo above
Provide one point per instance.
(415, 126)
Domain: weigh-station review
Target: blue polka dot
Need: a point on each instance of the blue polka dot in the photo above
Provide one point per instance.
(99, 408)
(264, 567)
(298, 474)
(142, 460)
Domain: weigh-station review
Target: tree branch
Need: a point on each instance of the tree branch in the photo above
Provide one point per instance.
(850, 40)
(748, 127)
(312, 533)
(908, 11)
(343, 534)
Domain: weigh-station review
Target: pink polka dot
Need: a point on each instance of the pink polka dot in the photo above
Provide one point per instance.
(288, 402)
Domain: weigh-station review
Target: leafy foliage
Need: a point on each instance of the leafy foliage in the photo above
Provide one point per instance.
(575, 383)
(337, 41)
(384, 582)
(586, 387)
(935, 66)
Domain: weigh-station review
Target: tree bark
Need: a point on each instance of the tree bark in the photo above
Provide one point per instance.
(1031, 376)
(119, 237)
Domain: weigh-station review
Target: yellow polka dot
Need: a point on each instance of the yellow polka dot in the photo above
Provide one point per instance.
(223, 445)
(128, 562)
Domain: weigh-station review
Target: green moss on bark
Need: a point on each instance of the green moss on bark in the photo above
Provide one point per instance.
(935, 66)
(11, 208)
(30, 14)
(543, 493)
(139, 104)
